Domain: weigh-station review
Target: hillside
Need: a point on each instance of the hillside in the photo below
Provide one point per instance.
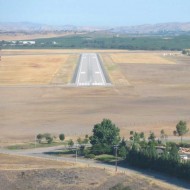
(162, 28)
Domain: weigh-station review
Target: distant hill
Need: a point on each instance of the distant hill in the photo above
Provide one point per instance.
(33, 27)
(153, 29)
(163, 28)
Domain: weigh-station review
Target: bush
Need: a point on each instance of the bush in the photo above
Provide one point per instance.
(90, 156)
(39, 137)
(99, 149)
(49, 139)
(105, 158)
(120, 187)
(184, 145)
(70, 143)
(62, 137)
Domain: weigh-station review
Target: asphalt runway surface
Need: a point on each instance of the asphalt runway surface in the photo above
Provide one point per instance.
(90, 72)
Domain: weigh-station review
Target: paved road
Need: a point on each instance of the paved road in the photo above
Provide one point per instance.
(90, 71)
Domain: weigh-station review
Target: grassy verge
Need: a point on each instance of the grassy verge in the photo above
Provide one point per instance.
(107, 158)
(32, 145)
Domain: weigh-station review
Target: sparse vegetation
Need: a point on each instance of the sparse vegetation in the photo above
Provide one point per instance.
(181, 129)
(70, 142)
(46, 136)
(120, 187)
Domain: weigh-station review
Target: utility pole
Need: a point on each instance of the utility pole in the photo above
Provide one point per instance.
(35, 140)
(116, 160)
(76, 154)
(0, 53)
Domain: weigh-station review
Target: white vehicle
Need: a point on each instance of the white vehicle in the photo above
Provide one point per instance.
(184, 157)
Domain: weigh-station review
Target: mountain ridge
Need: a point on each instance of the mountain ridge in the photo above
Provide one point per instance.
(136, 29)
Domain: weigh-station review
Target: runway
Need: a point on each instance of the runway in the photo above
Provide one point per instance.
(90, 71)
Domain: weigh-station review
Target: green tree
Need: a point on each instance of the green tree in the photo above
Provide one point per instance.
(62, 137)
(181, 129)
(86, 140)
(70, 143)
(39, 137)
(152, 137)
(48, 138)
(174, 155)
(137, 139)
(123, 143)
(79, 140)
(105, 135)
(163, 135)
(122, 151)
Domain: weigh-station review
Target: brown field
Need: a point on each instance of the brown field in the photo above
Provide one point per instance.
(57, 51)
(38, 69)
(115, 73)
(18, 172)
(23, 36)
(144, 97)
(8, 162)
(144, 58)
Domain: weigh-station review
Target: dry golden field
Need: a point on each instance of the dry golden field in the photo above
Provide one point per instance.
(140, 58)
(144, 97)
(36, 69)
(11, 162)
(114, 71)
(21, 36)
(57, 51)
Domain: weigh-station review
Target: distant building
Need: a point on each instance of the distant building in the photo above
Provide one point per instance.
(28, 42)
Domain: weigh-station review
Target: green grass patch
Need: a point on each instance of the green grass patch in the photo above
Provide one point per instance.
(105, 158)
(60, 153)
(32, 145)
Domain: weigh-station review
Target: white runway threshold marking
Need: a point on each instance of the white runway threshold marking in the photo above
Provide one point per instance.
(90, 71)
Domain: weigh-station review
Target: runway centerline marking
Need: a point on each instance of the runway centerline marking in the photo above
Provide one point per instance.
(90, 72)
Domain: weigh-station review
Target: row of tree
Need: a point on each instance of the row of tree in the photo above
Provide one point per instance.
(148, 153)
(152, 154)
(108, 42)
(47, 137)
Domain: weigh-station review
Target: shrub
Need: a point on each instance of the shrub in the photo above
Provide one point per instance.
(90, 156)
(62, 137)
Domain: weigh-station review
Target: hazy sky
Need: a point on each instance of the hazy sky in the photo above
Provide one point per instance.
(95, 12)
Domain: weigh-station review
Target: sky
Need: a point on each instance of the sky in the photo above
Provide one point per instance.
(95, 12)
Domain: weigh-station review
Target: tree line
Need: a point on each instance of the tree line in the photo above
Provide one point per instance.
(140, 151)
(108, 42)
(147, 153)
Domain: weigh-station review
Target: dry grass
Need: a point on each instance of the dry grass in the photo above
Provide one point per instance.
(52, 51)
(31, 69)
(157, 98)
(29, 173)
(65, 73)
(140, 58)
(8, 162)
(115, 73)
(21, 36)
